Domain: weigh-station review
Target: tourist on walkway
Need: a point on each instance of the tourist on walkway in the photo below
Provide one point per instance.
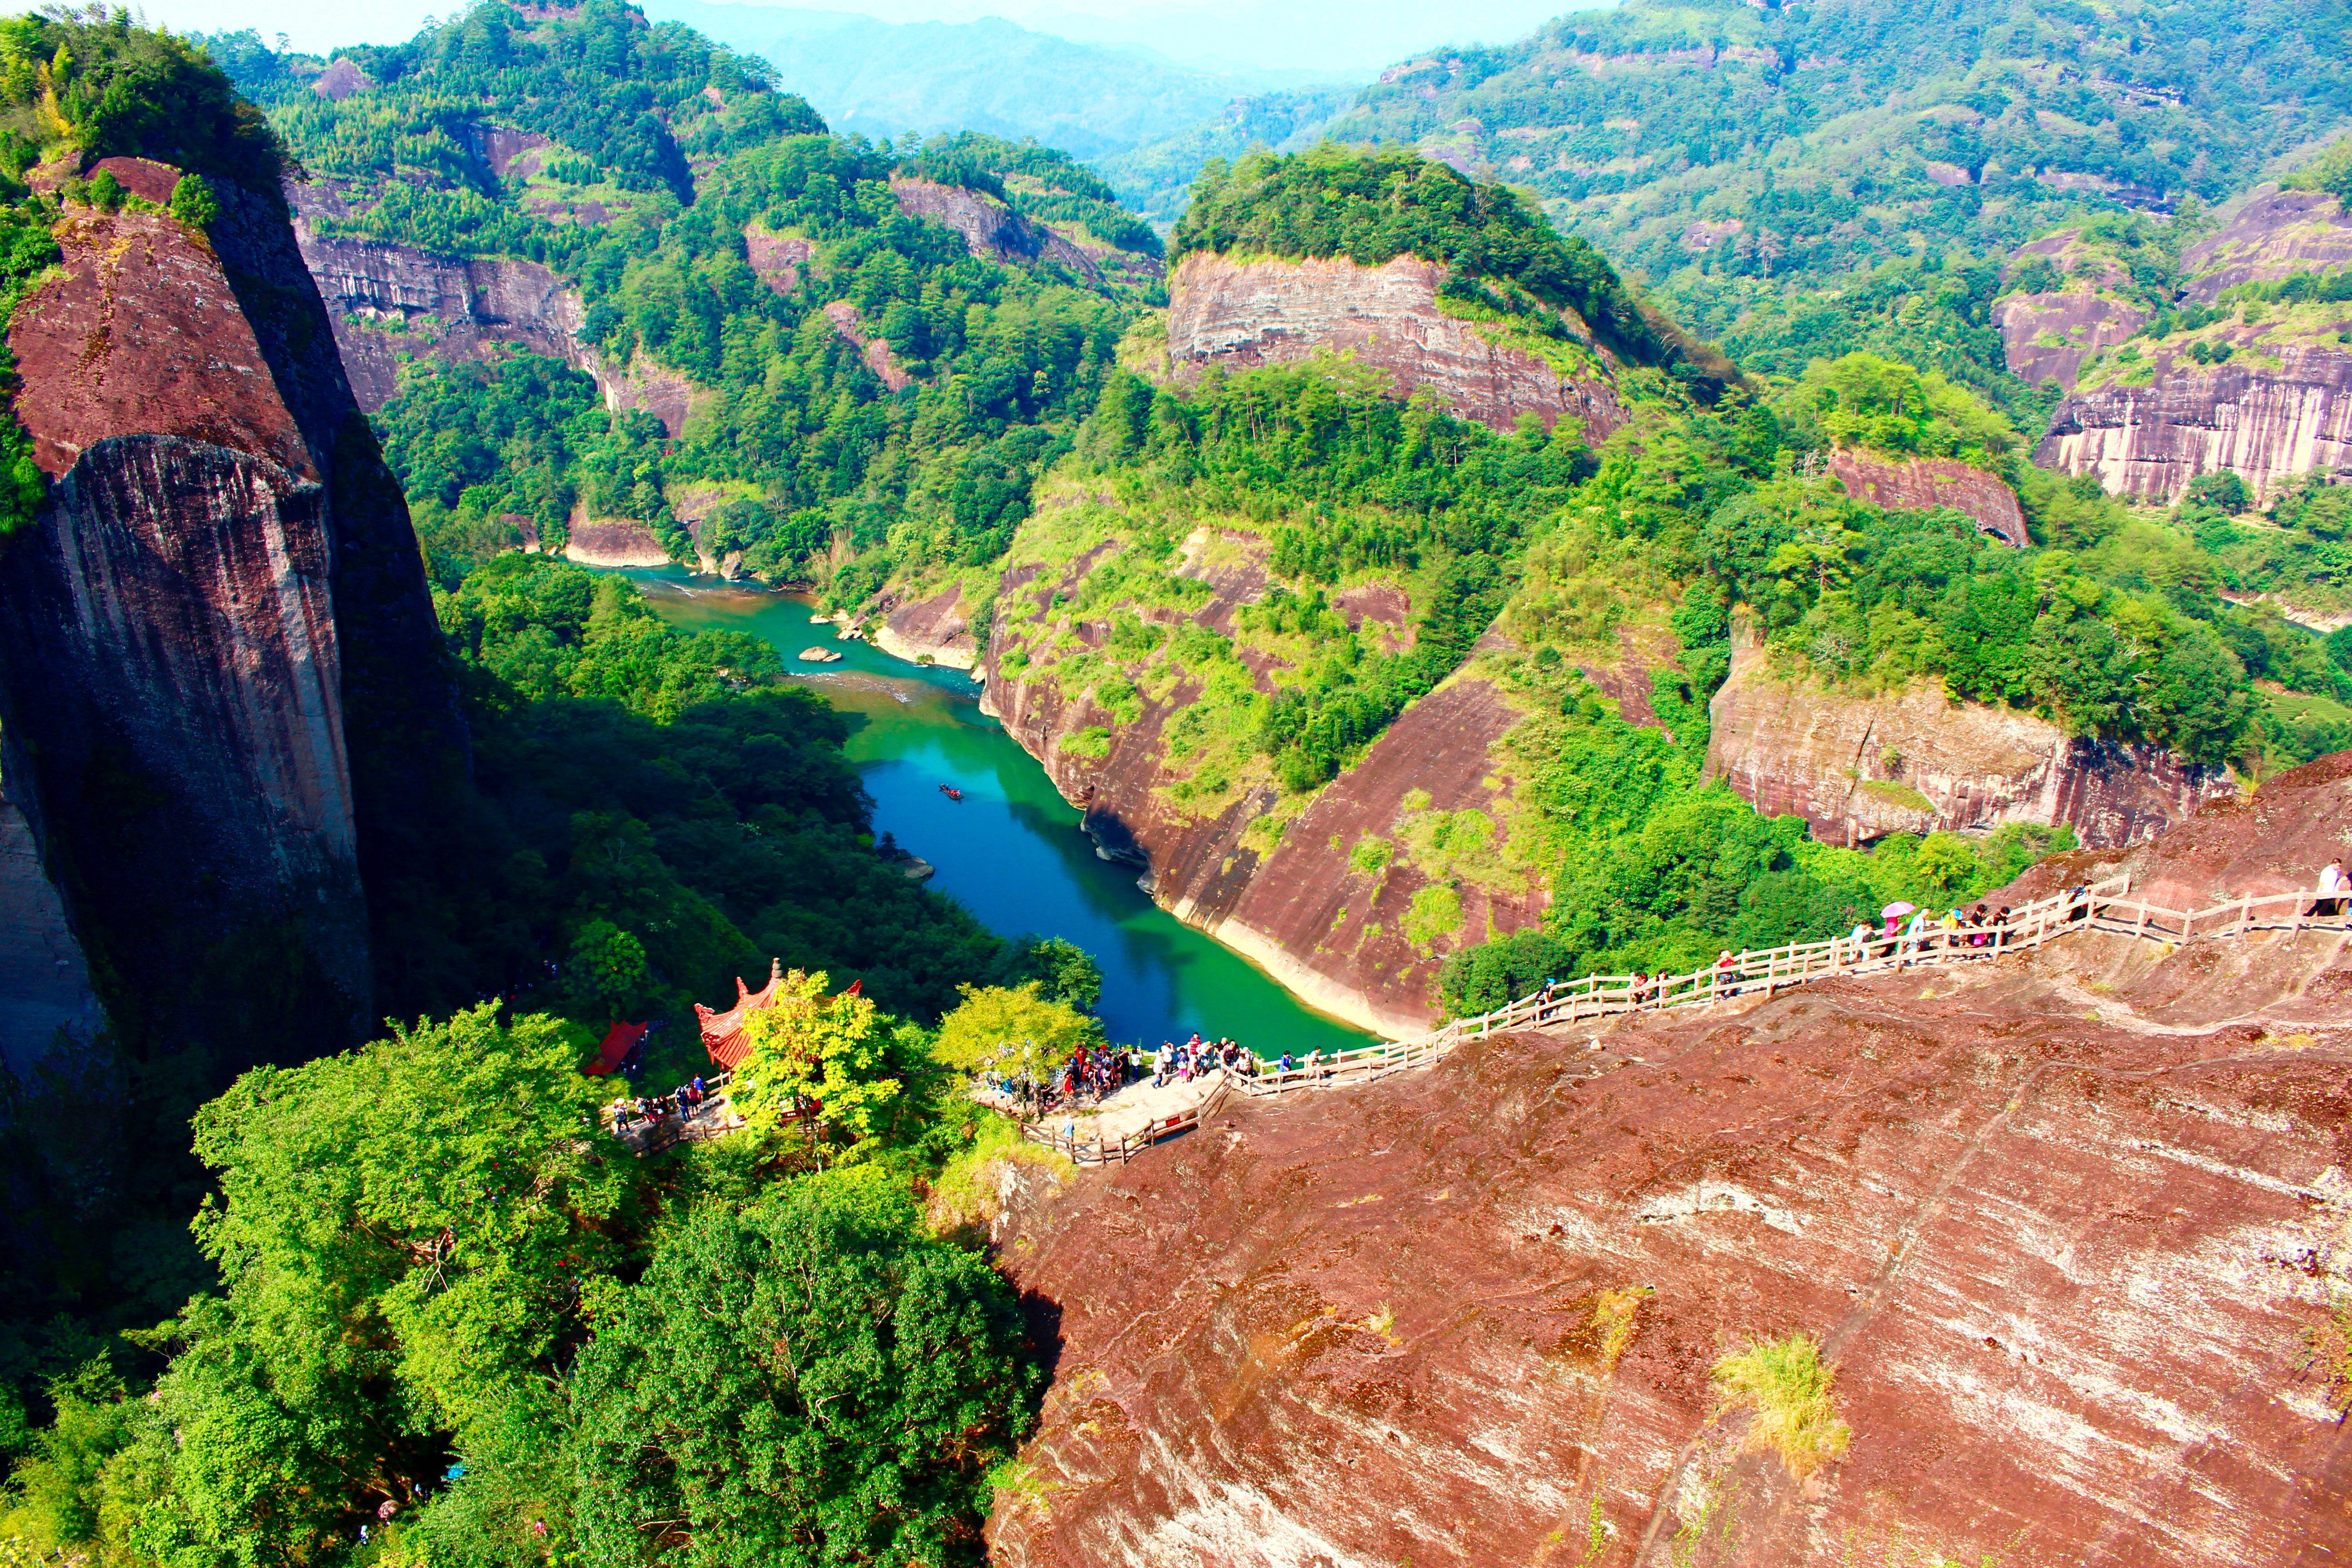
(2332, 890)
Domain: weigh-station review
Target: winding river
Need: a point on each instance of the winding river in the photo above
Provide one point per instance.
(1011, 850)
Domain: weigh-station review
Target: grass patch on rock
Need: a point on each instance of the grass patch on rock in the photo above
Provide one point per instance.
(1788, 1387)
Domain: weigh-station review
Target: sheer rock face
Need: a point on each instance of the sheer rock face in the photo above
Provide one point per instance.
(1920, 484)
(612, 542)
(2278, 409)
(989, 227)
(2080, 322)
(222, 685)
(1241, 314)
(44, 978)
(1859, 768)
(456, 311)
(1331, 932)
(2066, 1231)
(2269, 424)
(2275, 233)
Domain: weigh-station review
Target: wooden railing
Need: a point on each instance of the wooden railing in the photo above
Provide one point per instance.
(2104, 905)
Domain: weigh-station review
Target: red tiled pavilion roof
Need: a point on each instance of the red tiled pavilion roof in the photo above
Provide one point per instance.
(722, 1033)
(619, 1041)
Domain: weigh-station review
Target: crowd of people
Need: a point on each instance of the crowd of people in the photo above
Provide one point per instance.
(630, 1114)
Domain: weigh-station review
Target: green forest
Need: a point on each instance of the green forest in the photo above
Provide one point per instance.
(415, 1303)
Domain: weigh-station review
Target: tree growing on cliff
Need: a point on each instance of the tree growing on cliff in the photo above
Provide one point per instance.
(1014, 1029)
(811, 1380)
(823, 1061)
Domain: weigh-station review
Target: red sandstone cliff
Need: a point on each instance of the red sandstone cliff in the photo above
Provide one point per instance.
(2273, 234)
(989, 227)
(1859, 768)
(1920, 484)
(2046, 337)
(2070, 1230)
(386, 300)
(1239, 314)
(223, 690)
(2280, 406)
(2268, 424)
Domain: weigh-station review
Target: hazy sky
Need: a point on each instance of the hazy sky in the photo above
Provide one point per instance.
(1321, 35)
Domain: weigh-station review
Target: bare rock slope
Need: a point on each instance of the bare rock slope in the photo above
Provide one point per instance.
(1237, 314)
(1333, 930)
(1859, 768)
(2073, 1232)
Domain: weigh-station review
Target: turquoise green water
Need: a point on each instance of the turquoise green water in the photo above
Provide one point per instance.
(1010, 850)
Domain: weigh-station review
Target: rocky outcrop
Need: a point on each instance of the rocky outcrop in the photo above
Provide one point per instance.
(1240, 314)
(871, 346)
(1334, 932)
(2280, 406)
(2047, 337)
(934, 630)
(1859, 768)
(222, 690)
(2266, 422)
(989, 227)
(1922, 484)
(671, 396)
(777, 259)
(612, 542)
(2275, 233)
(387, 301)
(2071, 1234)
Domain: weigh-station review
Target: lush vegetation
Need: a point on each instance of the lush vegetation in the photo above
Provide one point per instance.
(1800, 181)
(664, 151)
(454, 1311)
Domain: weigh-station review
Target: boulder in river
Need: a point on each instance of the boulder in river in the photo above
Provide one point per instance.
(820, 655)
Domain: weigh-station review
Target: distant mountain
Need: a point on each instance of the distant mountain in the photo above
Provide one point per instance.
(1779, 140)
(882, 80)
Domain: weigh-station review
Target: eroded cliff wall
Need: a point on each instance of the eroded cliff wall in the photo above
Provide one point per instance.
(222, 690)
(387, 300)
(1859, 768)
(1237, 314)
(2154, 415)
(2069, 1230)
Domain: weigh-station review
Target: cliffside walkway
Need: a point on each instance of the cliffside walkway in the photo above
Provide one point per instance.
(2104, 905)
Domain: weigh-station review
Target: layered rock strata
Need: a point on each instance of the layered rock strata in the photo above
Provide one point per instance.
(1859, 768)
(2070, 1230)
(385, 300)
(2282, 405)
(1921, 484)
(223, 692)
(989, 229)
(2266, 422)
(1241, 314)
